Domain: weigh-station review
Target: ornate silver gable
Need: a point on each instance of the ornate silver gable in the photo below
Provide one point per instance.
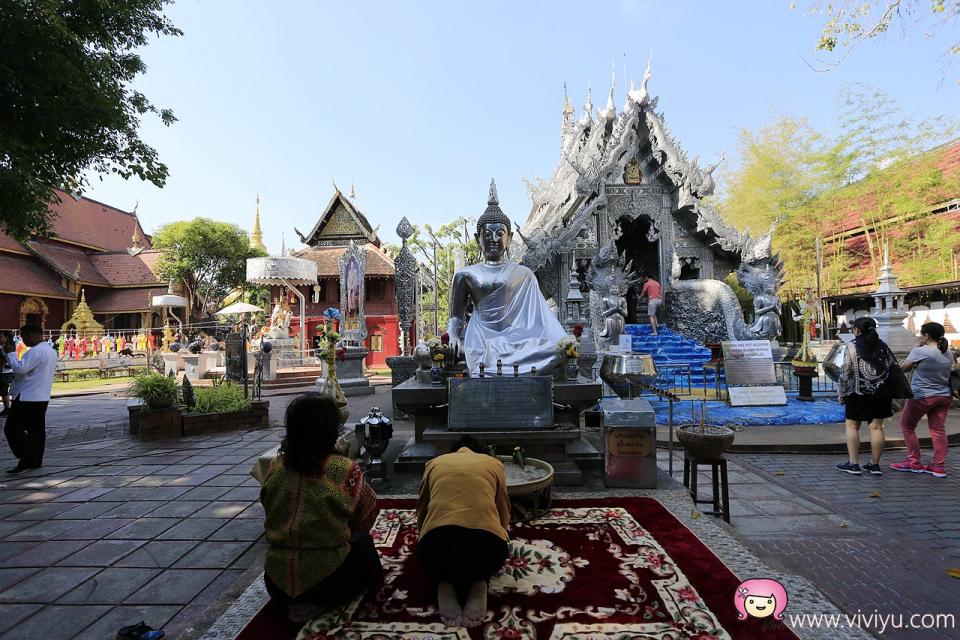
(353, 267)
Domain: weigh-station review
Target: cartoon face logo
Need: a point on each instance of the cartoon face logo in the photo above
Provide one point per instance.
(760, 606)
(760, 598)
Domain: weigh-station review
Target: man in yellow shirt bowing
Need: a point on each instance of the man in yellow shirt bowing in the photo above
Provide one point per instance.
(463, 514)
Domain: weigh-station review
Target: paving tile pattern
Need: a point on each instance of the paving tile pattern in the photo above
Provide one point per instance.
(95, 540)
(112, 531)
(887, 553)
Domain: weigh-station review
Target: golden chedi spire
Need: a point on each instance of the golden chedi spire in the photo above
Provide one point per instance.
(256, 236)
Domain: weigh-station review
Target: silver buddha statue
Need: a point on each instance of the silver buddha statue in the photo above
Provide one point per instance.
(511, 320)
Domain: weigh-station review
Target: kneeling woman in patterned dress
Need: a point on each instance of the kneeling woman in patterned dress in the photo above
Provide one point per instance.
(463, 513)
(319, 512)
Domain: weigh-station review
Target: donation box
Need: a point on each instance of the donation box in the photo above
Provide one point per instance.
(629, 443)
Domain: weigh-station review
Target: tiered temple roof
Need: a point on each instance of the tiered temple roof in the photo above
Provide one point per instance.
(596, 150)
(92, 245)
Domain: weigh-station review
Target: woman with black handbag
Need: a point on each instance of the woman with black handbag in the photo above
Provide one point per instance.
(865, 389)
(932, 363)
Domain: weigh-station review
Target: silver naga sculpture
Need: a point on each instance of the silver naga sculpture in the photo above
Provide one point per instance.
(708, 309)
(610, 277)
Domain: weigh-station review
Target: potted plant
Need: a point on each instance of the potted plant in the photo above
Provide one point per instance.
(705, 441)
(157, 391)
(568, 348)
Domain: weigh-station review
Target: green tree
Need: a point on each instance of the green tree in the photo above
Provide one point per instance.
(806, 182)
(67, 104)
(439, 247)
(776, 173)
(209, 257)
(850, 23)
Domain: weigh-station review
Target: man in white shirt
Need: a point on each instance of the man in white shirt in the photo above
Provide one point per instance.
(32, 382)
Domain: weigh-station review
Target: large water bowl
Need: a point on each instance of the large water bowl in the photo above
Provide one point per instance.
(529, 488)
(620, 369)
(705, 442)
(833, 363)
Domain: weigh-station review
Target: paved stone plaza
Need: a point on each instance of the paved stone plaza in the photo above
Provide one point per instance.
(111, 530)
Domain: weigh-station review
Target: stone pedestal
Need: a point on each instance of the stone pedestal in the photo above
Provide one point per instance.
(286, 352)
(171, 363)
(350, 373)
(561, 446)
(269, 366)
(208, 360)
(805, 376)
(402, 368)
(191, 366)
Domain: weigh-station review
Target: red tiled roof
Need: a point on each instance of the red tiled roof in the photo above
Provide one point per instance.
(64, 260)
(328, 260)
(95, 224)
(89, 223)
(99, 269)
(860, 271)
(123, 300)
(9, 244)
(847, 208)
(122, 269)
(26, 277)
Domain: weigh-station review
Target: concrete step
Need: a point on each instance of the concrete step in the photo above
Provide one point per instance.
(287, 383)
(585, 455)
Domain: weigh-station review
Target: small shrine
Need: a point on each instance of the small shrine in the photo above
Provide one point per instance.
(82, 321)
(890, 310)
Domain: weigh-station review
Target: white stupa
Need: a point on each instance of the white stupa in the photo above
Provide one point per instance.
(889, 310)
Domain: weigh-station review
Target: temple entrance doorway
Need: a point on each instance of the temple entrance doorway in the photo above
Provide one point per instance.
(639, 242)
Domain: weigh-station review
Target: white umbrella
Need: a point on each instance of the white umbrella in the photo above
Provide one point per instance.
(239, 307)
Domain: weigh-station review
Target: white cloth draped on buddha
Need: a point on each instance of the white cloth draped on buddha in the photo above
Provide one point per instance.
(515, 324)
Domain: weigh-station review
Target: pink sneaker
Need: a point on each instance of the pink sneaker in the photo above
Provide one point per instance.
(936, 470)
(906, 465)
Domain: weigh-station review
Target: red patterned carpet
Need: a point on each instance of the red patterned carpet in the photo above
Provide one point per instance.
(615, 568)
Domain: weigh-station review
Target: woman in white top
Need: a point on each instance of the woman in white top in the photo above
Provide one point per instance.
(931, 363)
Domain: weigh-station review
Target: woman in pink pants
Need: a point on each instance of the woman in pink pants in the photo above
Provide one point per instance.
(931, 362)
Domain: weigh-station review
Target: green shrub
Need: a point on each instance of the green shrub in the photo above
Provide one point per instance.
(154, 389)
(222, 398)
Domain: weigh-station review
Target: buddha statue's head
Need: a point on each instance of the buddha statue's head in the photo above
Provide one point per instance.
(494, 231)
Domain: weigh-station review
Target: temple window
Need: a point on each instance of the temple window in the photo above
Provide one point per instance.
(376, 290)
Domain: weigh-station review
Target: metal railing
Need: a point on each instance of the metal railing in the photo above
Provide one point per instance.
(821, 384)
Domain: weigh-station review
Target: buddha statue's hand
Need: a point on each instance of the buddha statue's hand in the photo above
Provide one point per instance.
(455, 331)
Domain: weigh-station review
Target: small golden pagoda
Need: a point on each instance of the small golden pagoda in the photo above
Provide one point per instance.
(82, 320)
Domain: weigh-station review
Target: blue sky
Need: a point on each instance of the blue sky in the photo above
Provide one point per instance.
(420, 103)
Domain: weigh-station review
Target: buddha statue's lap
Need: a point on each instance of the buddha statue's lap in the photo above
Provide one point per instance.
(511, 321)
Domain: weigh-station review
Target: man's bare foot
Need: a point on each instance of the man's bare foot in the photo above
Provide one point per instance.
(475, 610)
(450, 612)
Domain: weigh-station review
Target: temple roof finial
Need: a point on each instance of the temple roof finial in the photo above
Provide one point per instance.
(611, 111)
(493, 199)
(256, 236)
(641, 95)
